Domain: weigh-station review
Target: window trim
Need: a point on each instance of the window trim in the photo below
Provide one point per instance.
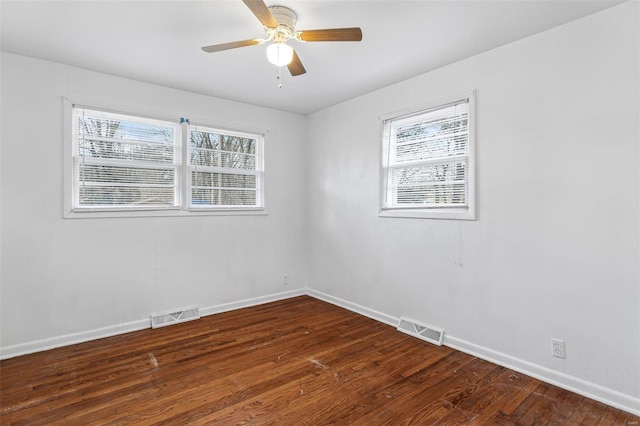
(468, 213)
(258, 172)
(172, 211)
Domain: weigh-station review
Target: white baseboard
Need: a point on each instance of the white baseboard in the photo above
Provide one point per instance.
(574, 384)
(85, 336)
(71, 339)
(354, 307)
(245, 303)
(582, 387)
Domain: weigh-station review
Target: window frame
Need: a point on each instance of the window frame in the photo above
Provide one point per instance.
(114, 162)
(456, 213)
(258, 172)
(182, 167)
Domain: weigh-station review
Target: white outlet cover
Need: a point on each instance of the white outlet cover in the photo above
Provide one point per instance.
(558, 348)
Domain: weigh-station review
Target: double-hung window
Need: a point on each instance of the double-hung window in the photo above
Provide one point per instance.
(124, 162)
(224, 168)
(428, 161)
(132, 164)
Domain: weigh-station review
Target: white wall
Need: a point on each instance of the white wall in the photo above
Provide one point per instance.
(554, 252)
(65, 276)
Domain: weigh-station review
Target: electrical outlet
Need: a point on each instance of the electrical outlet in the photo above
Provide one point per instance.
(557, 348)
(285, 279)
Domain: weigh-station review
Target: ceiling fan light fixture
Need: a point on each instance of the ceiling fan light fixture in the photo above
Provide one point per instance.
(280, 54)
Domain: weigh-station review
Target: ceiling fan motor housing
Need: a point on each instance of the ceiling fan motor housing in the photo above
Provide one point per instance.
(286, 19)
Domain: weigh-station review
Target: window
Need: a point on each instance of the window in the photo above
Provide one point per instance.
(127, 163)
(428, 161)
(124, 162)
(224, 169)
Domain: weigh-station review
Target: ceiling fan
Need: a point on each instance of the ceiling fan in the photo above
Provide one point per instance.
(279, 23)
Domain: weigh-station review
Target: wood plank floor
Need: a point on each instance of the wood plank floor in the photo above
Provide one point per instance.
(294, 362)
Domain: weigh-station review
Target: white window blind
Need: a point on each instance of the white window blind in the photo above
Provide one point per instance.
(225, 169)
(123, 162)
(426, 160)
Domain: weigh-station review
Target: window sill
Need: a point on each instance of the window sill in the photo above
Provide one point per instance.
(429, 214)
(97, 214)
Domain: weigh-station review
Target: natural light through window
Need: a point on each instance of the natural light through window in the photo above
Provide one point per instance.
(124, 162)
(225, 169)
(428, 162)
(128, 163)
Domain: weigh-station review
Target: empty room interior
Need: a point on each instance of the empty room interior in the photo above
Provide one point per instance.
(320, 212)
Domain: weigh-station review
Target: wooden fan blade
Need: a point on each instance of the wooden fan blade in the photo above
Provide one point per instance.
(232, 45)
(262, 12)
(295, 66)
(336, 34)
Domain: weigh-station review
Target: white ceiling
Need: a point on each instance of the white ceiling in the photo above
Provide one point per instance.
(159, 41)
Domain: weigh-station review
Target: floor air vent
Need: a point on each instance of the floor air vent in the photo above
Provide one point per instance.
(421, 331)
(175, 317)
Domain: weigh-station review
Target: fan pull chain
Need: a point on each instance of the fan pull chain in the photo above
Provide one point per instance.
(279, 78)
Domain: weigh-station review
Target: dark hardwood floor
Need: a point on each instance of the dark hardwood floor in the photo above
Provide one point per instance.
(292, 362)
